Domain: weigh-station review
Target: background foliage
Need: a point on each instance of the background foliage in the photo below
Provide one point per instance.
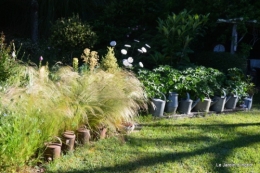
(220, 60)
(70, 36)
(119, 21)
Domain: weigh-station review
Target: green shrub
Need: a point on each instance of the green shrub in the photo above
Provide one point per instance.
(151, 82)
(179, 30)
(11, 70)
(31, 50)
(7, 59)
(71, 35)
(220, 60)
(201, 82)
(109, 62)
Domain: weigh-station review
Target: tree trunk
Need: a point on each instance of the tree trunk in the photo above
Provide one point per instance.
(34, 20)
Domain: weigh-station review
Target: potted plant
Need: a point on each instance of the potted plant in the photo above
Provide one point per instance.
(241, 88)
(202, 89)
(250, 90)
(217, 85)
(232, 101)
(153, 87)
(169, 78)
(186, 105)
(158, 106)
(235, 86)
(187, 86)
(195, 81)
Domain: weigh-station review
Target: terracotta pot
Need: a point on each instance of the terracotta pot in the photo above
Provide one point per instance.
(83, 135)
(53, 150)
(128, 126)
(103, 132)
(69, 140)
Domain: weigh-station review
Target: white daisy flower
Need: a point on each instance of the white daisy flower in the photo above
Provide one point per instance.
(127, 45)
(112, 43)
(136, 41)
(130, 60)
(144, 50)
(141, 64)
(125, 62)
(147, 46)
(139, 50)
(124, 52)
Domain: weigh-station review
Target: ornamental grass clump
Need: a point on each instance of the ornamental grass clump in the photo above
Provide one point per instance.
(43, 108)
(31, 118)
(120, 96)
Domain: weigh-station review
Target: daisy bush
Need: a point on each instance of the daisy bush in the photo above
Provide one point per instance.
(131, 53)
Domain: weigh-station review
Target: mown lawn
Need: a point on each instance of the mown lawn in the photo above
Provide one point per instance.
(215, 143)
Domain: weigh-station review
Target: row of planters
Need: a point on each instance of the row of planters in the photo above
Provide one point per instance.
(197, 89)
(67, 142)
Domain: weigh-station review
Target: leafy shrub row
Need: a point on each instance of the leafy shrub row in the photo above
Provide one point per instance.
(199, 81)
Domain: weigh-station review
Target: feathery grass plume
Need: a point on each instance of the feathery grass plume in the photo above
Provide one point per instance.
(99, 100)
(67, 75)
(109, 62)
(119, 101)
(77, 95)
(44, 74)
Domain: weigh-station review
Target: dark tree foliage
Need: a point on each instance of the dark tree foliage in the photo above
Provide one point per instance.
(125, 20)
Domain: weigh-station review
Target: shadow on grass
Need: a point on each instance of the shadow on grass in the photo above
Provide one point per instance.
(217, 150)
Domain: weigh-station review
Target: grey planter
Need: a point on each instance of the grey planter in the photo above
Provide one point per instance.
(232, 102)
(157, 106)
(248, 102)
(218, 103)
(172, 103)
(203, 106)
(185, 106)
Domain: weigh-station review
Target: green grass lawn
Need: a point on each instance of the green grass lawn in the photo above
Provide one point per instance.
(201, 144)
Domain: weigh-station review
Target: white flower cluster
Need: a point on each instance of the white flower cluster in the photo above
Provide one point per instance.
(128, 61)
